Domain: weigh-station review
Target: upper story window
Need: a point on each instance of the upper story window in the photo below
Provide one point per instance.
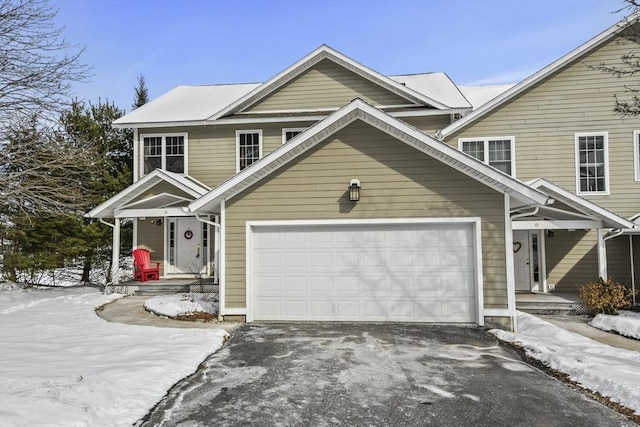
(636, 153)
(248, 148)
(592, 169)
(496, 151)
(290, 133)
(166, 152)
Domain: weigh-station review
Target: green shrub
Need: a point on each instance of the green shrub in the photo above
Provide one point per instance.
(605, 296)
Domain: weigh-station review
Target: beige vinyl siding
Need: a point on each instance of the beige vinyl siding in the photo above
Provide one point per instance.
(160, 188)
(151, 237)
(212, 149)
(397, 182)
(326, 85)
(545, 119)
(572, 259)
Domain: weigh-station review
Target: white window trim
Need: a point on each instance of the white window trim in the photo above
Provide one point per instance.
(636, 153)
(285, 130)
(606, 164)
(164, 151)
(238, 133)
(486, 140)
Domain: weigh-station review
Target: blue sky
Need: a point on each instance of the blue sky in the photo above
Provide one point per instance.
(211, 42)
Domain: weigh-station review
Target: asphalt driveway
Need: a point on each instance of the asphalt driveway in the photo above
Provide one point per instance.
(368, 374)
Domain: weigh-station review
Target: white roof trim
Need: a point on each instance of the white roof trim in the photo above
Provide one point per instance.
(580, 204)
(542, 74)
(325, 52)
(188, 185)
(165, 200)
(359, 109)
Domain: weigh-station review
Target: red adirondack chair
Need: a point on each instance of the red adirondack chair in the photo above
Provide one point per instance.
(142, 270)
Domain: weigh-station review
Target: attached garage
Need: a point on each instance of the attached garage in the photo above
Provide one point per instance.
(382, 270)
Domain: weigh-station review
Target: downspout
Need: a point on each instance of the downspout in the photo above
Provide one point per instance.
(216, 242)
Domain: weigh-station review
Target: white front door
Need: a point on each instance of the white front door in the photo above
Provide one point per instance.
(188, 246)
(526, 259)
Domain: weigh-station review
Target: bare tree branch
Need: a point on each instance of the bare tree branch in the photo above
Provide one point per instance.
(37, 65)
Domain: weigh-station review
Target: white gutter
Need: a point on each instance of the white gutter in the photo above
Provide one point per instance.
(525, 214)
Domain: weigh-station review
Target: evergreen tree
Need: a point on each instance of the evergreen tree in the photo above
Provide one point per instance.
(113, 164)
(141, 93)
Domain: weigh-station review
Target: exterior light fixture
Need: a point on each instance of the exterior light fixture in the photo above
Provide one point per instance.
(354, 190)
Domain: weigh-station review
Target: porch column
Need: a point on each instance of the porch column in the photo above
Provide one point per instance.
(115, 253)
(602, 255)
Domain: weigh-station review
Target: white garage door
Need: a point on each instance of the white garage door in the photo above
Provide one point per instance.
(420, 272)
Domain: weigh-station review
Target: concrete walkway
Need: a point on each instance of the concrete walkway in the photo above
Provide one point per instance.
(579, 324)
(130, 310)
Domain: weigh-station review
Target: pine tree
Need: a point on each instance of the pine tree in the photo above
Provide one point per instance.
(141, 93)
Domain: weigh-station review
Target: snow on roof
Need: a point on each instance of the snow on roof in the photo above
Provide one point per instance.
(186, 104)
(480, 95)
(434, 85)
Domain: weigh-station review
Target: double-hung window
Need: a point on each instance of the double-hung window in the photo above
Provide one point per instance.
(495, 151)
(592, 169)
(166, 152)
(248, 148)
(636, 153)
(290, 133)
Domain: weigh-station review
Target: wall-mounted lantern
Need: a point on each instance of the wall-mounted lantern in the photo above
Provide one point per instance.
(354, 190)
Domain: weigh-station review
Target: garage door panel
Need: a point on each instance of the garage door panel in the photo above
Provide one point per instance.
(402, 272)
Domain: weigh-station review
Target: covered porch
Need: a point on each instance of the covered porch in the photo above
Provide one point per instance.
(182, 243)
(571, 232)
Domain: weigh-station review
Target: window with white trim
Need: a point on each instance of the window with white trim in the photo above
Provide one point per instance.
(592, 169)
(166, 152)
(495, 151)
(290, 133)
(636, 153)
(248, 148)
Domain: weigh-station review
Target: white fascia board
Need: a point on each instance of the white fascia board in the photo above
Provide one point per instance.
(104, 210)
(154, 212)
(109, 203)
(580, 204)
(542, 74)
(557, 224)
(324, 52)
(176, 199)
(359, 109)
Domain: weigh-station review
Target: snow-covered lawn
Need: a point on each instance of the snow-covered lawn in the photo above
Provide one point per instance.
(62, 365)
(611, 371)
(626, 323)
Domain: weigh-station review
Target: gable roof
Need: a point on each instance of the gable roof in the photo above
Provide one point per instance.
(304, 64)
(580, 204)
(360, 110)
(542, 74)
(185, 105)
(184, 183)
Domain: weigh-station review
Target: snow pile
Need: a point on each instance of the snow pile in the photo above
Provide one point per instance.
(626, 323)
(611, 371)
(61, 364)
(182, 304)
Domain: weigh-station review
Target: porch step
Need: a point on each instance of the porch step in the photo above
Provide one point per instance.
(163, 289)
(551, 308)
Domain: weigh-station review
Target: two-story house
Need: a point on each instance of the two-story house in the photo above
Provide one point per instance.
(333, 192)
